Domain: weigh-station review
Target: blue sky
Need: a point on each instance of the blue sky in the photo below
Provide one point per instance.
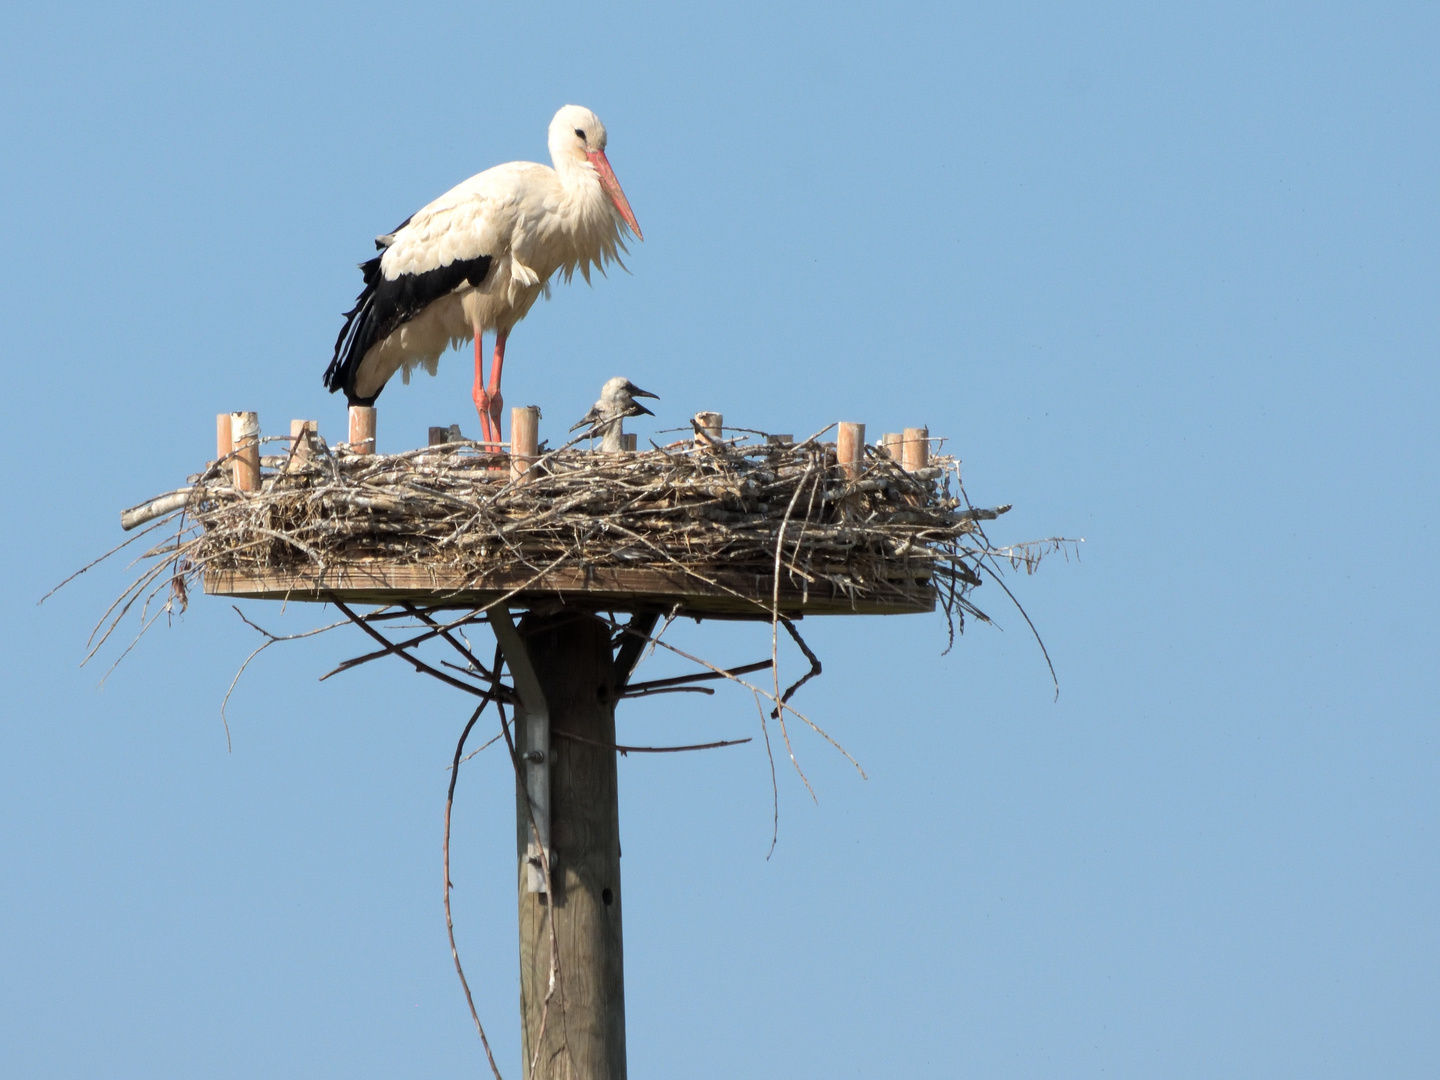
(1165, 277)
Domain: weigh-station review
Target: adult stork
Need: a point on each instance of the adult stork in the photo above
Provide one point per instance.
(477, 258)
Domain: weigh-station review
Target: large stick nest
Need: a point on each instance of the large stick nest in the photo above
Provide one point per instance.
(787, 511)
(720, 505)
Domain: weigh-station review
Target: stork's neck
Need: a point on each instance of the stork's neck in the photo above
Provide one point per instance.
(613, 442)
(577, 175)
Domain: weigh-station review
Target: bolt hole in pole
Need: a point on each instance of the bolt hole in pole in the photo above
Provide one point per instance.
(607, 896)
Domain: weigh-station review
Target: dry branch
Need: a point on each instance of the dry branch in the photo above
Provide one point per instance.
(786, 512)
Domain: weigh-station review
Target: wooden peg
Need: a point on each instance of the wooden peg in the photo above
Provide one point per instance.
(438, 436)
(850, 448)
(362, 429)
(629, 442)
(891, 443)
(224, 441)
(916, 448)
(524, 439)
(301, 432)
(709, 424)
(245, 431)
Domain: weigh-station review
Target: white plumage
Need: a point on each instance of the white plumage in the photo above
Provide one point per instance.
(606, 417)
(477, 258)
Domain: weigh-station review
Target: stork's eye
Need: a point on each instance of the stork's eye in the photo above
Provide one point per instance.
(580, 133)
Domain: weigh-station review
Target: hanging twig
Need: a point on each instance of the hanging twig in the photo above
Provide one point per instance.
(704, 676)
(449, 922)
(270, 639)
(645, 749)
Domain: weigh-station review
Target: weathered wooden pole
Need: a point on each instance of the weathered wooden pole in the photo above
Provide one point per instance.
(524, 439)
(916, 448)
(301, 432)
(224, 440)
(850, 448)
(583, 1016)
(362, 429)
(245, 430)
(709, 428)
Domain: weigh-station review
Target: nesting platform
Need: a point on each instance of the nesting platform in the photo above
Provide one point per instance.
(726, 595)
(721, 525)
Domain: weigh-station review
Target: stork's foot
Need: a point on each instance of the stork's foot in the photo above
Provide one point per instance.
(482, 409)
(487, 406)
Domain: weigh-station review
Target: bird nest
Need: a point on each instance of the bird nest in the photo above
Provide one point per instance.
(744, 526)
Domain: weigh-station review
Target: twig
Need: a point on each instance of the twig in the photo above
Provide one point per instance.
(449, 922)
(645, 749)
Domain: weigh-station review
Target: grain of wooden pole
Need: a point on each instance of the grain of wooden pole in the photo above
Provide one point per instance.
(224, 441)
(584, 1038)
(916, 448)
(891, 442)
(362, 429)
(300, 433)
(524, 439)
(711, 424)
(850, 448)
(245, 431)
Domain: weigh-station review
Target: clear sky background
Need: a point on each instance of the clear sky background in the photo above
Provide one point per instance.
(1166, 277)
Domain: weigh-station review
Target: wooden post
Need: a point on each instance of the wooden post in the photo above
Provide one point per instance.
(300, 434)
(224, 441)
(245, 431)
(711, 424)
(524, 439)
(850, 449)
(570, 654)
(891, 442)
(916, 448)
(362, 429)
(629, 442)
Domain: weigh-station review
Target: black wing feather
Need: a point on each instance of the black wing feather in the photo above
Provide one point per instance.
(384, 305)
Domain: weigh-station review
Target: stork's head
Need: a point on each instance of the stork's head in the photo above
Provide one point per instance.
(617, 400)
(577, 136)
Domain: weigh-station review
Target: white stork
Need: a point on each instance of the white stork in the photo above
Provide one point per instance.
(477, 259)
(607, 416)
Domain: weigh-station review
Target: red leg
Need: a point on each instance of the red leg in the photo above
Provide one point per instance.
(480, 397)
(493, 392)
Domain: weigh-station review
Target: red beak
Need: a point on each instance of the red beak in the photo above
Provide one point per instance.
(612, 188)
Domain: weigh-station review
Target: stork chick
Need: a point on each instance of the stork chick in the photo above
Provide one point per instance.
(607, 416)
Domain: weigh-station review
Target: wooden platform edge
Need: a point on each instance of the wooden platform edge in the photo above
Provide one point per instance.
(611, 588)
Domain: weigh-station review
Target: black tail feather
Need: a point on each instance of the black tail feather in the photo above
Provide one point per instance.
(384, 305)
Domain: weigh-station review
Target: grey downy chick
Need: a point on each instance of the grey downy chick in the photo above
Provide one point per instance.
(606, 417)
